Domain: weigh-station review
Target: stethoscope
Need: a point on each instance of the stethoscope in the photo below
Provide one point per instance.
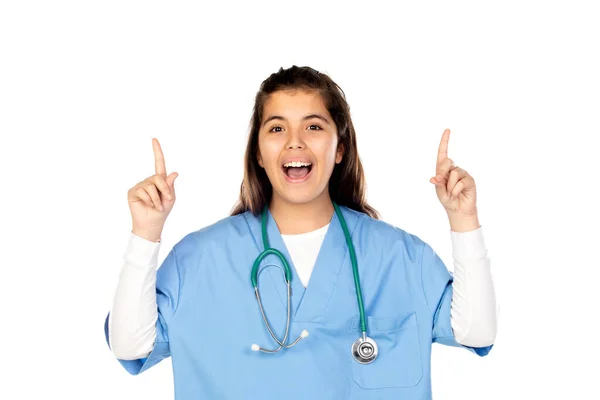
(364, 349)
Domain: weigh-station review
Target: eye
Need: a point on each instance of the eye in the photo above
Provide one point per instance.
(310, 126)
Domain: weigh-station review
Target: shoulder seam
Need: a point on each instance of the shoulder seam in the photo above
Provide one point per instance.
(178, 282)
(422, 284)
(256, 242)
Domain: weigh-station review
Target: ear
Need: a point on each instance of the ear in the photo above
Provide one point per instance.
(259, 159)
(340, 153)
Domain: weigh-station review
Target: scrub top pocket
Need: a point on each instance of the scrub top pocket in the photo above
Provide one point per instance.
(398, 363)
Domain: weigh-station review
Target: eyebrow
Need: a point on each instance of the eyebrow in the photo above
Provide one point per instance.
(272, 117)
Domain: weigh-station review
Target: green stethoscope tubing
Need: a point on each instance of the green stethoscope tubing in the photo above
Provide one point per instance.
(288, 273)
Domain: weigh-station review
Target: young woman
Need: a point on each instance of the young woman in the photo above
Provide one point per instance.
(354, 314)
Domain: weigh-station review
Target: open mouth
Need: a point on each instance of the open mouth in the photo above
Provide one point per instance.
(297, 170)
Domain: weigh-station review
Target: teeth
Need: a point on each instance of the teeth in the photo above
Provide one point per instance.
(297, 164)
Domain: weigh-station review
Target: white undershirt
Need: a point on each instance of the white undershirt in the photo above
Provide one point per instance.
(132, 320)
(304, 249)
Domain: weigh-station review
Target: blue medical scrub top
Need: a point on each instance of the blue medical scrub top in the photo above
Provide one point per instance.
(208, 316)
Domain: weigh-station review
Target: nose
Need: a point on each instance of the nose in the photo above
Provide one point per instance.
(295, 146)
(295, 139)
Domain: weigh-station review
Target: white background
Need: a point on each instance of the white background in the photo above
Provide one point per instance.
(84, 86)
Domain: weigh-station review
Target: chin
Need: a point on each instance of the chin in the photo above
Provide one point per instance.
(300, 196)
(297, 199)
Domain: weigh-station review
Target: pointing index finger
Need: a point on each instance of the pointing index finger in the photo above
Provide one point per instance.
(443, 149)
(159, 159)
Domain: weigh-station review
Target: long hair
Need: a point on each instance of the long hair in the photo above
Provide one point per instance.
(347, 184)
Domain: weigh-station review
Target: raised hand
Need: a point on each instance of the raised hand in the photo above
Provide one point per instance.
(454, 186)
(151, 200)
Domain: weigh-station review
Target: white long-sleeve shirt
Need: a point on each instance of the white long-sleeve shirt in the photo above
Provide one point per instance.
(132, 320)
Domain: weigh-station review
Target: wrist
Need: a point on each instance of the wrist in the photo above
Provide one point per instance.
(147, 234)
(463, 222)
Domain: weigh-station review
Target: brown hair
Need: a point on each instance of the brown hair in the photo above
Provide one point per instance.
(347, 182)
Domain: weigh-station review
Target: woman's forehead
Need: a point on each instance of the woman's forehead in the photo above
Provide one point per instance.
(294, 105)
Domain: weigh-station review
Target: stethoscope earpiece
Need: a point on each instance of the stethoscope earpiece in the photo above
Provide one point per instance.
(256, 347)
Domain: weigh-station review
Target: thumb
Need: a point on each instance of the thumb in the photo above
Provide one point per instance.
(440, 186)
(171, 178)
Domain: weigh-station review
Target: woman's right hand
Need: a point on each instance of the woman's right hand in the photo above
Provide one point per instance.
(151, 200)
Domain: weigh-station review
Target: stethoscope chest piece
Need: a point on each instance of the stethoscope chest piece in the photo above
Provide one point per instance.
(364, 350)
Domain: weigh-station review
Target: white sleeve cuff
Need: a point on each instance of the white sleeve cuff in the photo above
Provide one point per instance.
(141, 252)
(468, 245)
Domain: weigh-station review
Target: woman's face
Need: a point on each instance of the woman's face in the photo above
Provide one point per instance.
(298, 146)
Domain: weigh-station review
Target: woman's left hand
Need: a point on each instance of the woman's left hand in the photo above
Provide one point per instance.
(454, 186)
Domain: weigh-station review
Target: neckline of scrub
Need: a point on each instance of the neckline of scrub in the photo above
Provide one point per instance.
(317, 232)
